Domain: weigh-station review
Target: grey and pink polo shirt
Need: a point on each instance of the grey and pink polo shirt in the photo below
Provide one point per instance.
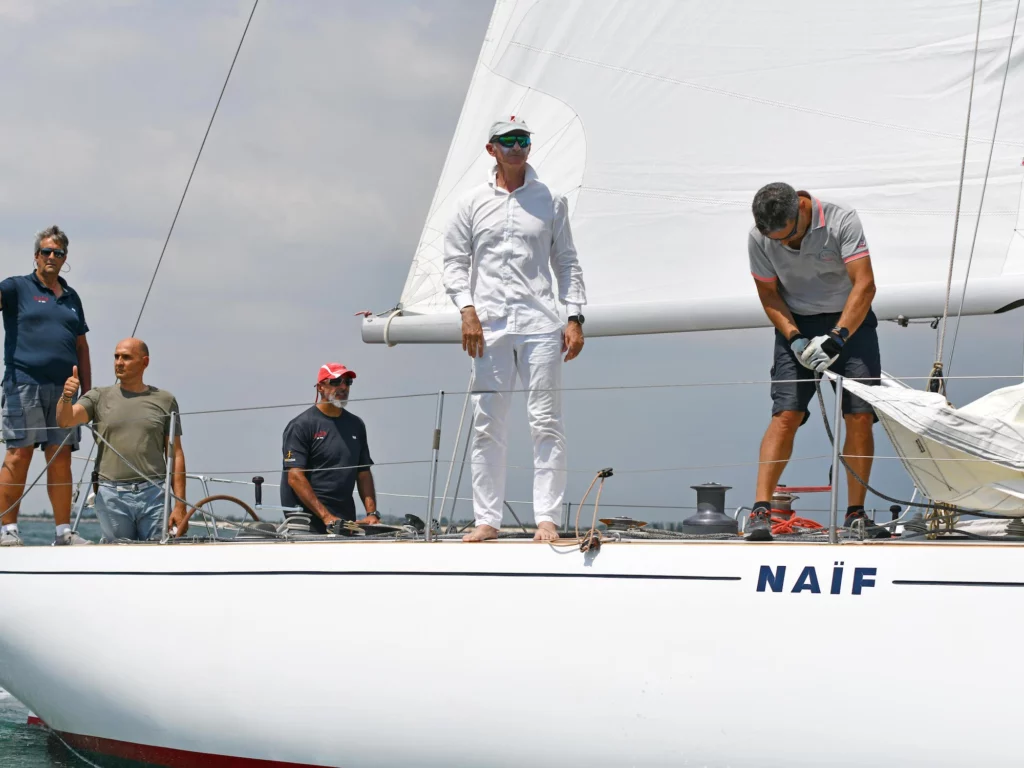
(813, 280)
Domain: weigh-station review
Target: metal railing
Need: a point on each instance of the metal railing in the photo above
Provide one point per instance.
(435, 507)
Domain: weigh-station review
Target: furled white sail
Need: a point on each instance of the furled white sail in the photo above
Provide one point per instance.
(972, 456)
(660, 120)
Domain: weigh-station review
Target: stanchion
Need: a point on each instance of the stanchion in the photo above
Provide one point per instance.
(171, 441)
(433, 466)
(837, 467)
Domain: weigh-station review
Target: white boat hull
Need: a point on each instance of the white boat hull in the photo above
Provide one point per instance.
(517, 654)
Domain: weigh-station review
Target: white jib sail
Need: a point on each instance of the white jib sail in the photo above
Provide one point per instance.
(660, 120)
(972, 456)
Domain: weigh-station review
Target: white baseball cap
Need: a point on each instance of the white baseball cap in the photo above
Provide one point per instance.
(501, 127)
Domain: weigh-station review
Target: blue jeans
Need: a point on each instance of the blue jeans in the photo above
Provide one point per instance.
(132, 511)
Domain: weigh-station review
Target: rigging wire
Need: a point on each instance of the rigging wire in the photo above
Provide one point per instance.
(941, 339)
(181, 202)
(455, 451)
(984, 187)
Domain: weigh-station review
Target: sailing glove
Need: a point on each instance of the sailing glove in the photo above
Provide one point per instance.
(799, 346)
(821, 352)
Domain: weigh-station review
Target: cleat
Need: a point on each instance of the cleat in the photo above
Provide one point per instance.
(759, 525)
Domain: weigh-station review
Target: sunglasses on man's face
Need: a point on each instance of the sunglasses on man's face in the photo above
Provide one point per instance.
(60, 253)
(510, 141)
(792, 231)
(346, 380)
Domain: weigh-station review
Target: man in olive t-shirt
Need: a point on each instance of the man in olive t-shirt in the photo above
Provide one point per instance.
(132, 421)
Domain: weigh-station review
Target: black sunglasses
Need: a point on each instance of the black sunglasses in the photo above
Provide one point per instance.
(792, 231)
(60, 253)
(339, 381)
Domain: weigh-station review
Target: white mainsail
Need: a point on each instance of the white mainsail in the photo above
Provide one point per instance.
(660, 120)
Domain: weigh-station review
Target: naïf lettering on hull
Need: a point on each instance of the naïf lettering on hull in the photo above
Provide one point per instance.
(773, 578)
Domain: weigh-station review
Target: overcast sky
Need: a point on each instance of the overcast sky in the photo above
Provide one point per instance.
(306, 208)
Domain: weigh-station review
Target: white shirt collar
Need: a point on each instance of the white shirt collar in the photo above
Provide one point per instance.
(531, 175)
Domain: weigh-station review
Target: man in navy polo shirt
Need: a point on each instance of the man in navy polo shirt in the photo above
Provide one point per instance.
(327, 456)
(44, 339)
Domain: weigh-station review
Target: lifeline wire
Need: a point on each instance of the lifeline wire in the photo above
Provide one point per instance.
(921, 505)
(38, 477)
(683, 385)
(192, 173)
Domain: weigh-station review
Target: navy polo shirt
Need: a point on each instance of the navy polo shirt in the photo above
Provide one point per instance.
(334, 451)
(40, 330)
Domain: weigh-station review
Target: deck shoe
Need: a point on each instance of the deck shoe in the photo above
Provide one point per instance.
(871, 531)
(759, 524)
(10, 539)
(69, 538)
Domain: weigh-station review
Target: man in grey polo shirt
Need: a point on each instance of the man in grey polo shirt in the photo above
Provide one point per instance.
(812, 268)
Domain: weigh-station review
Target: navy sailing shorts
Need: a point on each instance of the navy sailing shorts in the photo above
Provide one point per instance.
(860, 359)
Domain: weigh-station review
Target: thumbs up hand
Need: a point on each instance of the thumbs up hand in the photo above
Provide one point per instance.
(71, 385)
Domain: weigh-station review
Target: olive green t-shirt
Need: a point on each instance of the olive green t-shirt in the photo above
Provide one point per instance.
(136, 424)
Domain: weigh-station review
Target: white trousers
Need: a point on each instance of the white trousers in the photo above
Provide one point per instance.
(538, 360)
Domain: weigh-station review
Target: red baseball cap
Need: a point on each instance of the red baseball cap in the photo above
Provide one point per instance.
(333, 371)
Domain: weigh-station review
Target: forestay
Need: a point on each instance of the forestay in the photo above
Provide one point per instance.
(971, 456)
(660, 120)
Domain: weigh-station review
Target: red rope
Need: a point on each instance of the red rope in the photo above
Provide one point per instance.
(784, 521)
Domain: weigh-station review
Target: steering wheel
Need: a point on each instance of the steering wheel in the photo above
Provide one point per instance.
(217, 497)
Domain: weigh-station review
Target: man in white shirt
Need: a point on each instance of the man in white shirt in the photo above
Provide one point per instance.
(505, 240)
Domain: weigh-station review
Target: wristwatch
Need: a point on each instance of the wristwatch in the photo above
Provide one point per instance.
(578, 318)
(841, 333)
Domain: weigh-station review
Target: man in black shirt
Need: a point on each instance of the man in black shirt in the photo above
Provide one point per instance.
(326, 456)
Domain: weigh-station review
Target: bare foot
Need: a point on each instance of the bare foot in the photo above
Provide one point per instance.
(481, 533)
(546, 532)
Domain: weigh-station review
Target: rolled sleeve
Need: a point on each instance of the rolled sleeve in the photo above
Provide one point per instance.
(760, 265)
(852, 243)
(458, 257)
(571, 290)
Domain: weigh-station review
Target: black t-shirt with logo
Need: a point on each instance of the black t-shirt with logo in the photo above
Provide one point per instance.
(320, 444)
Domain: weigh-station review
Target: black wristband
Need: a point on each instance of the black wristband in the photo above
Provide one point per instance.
(795, 336)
